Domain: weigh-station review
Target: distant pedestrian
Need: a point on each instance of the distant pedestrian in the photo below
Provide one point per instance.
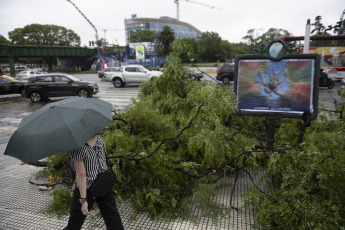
(88, 162)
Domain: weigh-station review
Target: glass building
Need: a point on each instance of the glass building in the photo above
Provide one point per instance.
(181, 29)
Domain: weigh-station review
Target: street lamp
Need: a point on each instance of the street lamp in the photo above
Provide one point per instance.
(97, 43)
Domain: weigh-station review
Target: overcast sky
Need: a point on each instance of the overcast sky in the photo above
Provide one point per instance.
(232, 22)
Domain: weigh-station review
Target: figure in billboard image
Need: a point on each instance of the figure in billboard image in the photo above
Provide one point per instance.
(272, 82)
(282, 86)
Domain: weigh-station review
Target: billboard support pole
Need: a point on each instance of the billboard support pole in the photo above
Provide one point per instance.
(270, 132)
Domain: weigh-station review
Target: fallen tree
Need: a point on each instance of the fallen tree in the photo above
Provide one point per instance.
(181, 137)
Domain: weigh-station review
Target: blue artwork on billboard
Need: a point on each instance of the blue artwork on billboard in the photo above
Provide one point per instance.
(275, 86)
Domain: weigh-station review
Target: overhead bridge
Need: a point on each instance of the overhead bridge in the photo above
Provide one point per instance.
(15, 51)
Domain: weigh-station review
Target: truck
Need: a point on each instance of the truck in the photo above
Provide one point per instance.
(129, 74)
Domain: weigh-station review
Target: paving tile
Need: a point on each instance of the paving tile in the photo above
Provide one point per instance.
(22, 205)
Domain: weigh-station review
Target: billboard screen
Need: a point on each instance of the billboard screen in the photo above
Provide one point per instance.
(285, 87)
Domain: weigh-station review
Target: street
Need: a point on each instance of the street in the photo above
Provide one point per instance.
(14, 107)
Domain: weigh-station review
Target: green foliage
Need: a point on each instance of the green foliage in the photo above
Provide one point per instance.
(62, 199)
(318, 26)
(306, 183)
(56, 174)
(49, 35)
(3, 40)
(211, 47)
(142, 36)
(183, 49)
(174, 133)
(255, 37)
(166, 37)
(181, 136)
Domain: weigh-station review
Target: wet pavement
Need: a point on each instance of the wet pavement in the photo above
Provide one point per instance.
(22, 205)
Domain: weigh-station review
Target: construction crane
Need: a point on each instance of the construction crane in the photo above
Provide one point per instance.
(191, 1)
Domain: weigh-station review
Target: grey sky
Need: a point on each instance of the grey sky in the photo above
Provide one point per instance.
(231, 23)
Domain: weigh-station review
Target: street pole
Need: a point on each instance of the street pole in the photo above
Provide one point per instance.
(306, 38)
(98, 49)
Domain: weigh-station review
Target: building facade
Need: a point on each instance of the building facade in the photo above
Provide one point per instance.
(181, 29)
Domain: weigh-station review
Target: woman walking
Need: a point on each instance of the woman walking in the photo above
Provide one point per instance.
(88, 162)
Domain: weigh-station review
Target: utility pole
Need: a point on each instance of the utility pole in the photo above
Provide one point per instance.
(105, 38)
(97, 43)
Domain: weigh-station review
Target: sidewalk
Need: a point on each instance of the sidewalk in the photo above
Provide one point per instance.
(22, 204)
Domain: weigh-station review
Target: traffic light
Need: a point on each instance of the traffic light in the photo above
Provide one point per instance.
(91, 43)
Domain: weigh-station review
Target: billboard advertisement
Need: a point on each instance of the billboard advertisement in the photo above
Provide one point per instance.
(140, 52)
(148, 48)
(276, 87)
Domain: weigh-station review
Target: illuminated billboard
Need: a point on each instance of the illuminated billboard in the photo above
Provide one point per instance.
(277, 84)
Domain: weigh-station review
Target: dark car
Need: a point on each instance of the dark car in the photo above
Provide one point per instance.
(58, 85)
(9, 85)
(226, 73)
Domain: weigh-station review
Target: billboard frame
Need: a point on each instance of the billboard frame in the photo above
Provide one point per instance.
(276, 55)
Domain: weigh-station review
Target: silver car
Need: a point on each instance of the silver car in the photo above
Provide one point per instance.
(108, 72)
(24, 75)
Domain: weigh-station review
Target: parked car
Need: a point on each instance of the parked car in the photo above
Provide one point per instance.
(342, 86)
(9, 85)
(226, 73)
(131, 74)
(324, 80)
(107, 70)
(58, 85)
(24, 75)
(196, 74)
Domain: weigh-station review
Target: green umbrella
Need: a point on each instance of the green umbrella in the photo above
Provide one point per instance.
(58, 127)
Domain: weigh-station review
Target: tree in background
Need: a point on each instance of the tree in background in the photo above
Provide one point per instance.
(186, 48)
(318, 26)
(210, 47)
(3, 40)
(227, 53)
(49, 35)
(166, 37)
(241, 48)
(44, 35)
(142, 36)
(319, 30)
(273, 33)
(254, 36)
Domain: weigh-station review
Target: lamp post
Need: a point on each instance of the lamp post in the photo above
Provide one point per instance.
(97, 43)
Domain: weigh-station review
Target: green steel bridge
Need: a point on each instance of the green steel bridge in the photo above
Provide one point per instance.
(15, 51)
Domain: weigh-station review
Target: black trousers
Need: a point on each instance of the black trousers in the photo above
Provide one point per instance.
(106, 205)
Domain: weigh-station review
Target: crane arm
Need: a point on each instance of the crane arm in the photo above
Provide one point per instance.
(203, 4)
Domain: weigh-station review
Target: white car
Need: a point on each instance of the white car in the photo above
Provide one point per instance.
(24, 75)
(131, 74)
(108, 72)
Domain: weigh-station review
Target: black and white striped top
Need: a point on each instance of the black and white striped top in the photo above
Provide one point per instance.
(93, 158)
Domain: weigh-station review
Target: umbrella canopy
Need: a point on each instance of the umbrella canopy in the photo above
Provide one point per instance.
(58, 127)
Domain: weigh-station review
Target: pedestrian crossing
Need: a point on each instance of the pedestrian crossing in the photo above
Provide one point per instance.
(120, 98)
